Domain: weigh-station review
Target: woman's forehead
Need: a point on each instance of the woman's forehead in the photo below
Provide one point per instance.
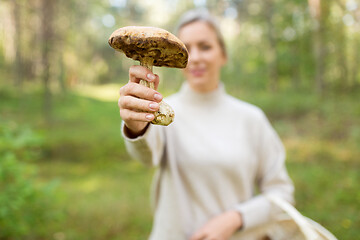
(197, 31)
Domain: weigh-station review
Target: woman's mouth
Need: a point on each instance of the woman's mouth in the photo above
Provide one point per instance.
(197, 72)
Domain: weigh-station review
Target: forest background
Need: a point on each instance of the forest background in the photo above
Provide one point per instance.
(64, 171)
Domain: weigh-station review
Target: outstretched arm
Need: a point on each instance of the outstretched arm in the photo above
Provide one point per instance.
(143, 141)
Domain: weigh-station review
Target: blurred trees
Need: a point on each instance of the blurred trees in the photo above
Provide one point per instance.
(277, 44)
(311, 47)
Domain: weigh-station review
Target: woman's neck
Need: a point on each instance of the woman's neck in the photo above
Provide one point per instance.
(204, 88)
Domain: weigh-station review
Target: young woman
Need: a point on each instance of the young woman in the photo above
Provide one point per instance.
(219, 158)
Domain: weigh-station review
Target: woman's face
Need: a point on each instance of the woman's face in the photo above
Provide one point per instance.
(206, 56)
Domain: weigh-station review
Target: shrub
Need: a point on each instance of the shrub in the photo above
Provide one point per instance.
(25, 205)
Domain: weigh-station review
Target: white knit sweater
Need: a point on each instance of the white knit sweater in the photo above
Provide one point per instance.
(220, 153)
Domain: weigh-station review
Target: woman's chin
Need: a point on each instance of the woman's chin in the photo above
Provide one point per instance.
(199, 85)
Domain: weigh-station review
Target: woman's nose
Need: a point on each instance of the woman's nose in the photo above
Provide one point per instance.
(194, 55)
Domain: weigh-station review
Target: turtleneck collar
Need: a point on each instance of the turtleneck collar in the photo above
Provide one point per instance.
(193, 96)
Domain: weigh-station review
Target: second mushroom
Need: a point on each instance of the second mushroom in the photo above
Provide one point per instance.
(152, 47)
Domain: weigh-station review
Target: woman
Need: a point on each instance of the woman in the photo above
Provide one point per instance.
(216, 154)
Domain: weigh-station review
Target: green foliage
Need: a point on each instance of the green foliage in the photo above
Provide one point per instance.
(105, 194)
(25, 206)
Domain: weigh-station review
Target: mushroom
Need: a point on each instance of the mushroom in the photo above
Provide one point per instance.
(152, 47)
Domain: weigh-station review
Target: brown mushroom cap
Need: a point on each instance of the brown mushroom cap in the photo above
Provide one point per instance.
(150, 44)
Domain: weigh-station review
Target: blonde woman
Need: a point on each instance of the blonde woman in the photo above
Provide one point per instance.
(214, 157)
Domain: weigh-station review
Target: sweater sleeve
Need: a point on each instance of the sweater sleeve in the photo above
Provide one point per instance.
(147, 148)
(272, 178)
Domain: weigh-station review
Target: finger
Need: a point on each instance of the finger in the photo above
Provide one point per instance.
(156, 81)
(140, 91)
(129, 115)
(136, 73)
(137, 104)
(198, 236)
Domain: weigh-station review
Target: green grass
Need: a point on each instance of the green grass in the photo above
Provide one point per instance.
(105, 194)
(103, 200)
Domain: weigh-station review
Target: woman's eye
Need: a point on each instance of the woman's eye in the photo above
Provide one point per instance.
(205, 47)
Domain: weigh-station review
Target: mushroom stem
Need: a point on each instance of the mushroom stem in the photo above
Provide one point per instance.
(149, 66)
(165, 114)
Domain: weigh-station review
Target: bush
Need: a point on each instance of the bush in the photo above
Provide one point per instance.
(25, 205)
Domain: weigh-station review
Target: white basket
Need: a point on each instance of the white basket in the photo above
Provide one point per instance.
(293, 225)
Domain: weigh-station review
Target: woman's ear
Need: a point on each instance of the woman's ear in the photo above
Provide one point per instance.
(224, 59)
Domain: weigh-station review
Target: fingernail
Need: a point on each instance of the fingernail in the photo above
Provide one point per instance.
(151, 76)
(157, 97)
(154, 106)
(149, 116)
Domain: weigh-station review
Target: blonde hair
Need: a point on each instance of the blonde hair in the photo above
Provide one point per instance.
(201, 15)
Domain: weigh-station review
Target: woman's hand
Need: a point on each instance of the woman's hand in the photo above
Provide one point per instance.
(136, 101)
(221, 227)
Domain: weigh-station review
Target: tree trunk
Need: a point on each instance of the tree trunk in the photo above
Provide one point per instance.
(320, 52)
(355, 78)
(272, 53)
(319, 9)
(47, 10)
(343, 81)
(296, 64)
(18, 66)
(62, 75)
